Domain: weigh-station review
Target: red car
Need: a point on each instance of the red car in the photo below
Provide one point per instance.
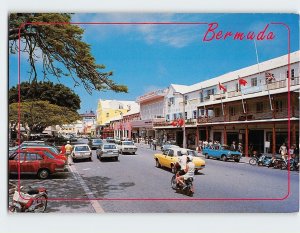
(35, 162)
(47, 150)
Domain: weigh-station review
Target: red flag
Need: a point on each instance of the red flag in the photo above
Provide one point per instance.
(174, 123)
(221, 87)
(242, 82)
(269, 76)
(180, 122)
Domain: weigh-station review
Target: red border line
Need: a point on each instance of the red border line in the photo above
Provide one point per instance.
(151, 199)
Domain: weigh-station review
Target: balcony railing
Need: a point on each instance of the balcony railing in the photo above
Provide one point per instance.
(295, 81)
(231, 94)
(276, 85)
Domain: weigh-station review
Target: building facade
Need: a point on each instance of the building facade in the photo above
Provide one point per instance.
(258, 113)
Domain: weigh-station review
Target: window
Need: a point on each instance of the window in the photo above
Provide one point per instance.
(253, 82)
(174, 116)
(22, 157)
(49, 155)
(185, 115)
(201, 97)
(179, 153)
(278, 106)
(179, 115)
(217, 112)
(186, 99)
(201, 112)
(194, 114)
(33, 157)
(237, 87)
(292, 74)
(171, 100)
(167, 117)
(259, 107)
(232, 111)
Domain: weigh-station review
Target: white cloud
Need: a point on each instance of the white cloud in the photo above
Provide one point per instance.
(177, 36)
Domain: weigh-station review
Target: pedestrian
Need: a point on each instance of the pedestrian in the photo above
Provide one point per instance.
(283, 151)
(150, 142)
(154, 142)
(68, 149)
(233, 146)
(240, 148)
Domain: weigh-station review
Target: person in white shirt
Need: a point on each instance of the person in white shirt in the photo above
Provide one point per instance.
(189, 172)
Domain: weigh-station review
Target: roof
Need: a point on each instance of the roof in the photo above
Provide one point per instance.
(117, 104)
(244, 72)
(134, 110)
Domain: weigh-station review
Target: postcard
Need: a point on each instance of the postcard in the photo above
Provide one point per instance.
(153, 113)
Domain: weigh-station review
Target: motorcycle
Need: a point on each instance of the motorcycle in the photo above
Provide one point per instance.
(187, 189)
(28, 199)
(293, 165)
(262, 160)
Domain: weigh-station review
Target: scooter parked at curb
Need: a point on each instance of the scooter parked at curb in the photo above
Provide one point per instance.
(28, 199)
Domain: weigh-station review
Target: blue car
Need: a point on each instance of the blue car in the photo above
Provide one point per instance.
(221, 152)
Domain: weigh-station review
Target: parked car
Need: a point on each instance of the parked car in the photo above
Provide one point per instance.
(110, 140)
(81, 151)
(168, 146)
(221, 152)
(127, 147)
(169, 158)
(95, 143)
(46, 150)
(35, 162)
(108, 150)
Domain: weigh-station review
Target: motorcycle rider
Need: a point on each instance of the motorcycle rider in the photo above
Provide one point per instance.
(189, 173)
(182, 160)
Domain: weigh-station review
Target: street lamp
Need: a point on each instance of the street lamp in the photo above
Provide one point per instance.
(183, 114)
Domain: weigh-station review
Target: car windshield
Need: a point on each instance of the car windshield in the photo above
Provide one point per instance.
(49, 155)
(127, 143)
(109, 147)
(192, 152)
(82, 148)
(97, 141)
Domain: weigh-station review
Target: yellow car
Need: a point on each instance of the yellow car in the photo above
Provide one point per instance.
(170, 157)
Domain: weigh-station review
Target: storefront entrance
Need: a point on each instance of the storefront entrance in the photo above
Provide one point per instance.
(256, 140)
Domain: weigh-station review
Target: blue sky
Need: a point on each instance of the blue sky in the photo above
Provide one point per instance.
(149, 57)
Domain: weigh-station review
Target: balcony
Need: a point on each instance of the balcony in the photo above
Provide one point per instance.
(231, 94)
(295, 81)
(276, 85)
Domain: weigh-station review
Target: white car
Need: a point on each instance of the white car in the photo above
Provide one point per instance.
(108, 150)
(127, 147)
(81, 151)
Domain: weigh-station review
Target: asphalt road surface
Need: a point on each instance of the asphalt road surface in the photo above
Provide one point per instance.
(134, 185)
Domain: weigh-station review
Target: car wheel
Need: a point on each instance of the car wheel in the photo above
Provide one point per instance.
(224, 158)
(133, 153)
(157, 164)
(206, 156)
(43, 174)
(100, 159)
(74, 160)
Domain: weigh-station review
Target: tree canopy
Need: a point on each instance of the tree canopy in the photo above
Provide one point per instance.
(38, 115)
(57, 94)
(63, 53)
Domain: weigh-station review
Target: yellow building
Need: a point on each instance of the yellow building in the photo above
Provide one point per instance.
(109, 109)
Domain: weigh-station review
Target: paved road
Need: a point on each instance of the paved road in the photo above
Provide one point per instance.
(135, 177)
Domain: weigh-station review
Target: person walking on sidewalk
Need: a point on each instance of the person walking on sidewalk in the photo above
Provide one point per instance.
(154, 142)
(68, 149)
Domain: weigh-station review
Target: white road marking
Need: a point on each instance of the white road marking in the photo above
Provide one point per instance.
(95, 204)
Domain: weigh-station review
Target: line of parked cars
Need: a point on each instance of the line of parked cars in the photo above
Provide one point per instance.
(36, 157)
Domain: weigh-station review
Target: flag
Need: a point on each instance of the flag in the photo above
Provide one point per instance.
(174, 123)
(221, 87)
(180, 122)
(242, 82)
(269, 76)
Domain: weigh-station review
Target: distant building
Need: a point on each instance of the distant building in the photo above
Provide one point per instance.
(89, 123)
(108, 110)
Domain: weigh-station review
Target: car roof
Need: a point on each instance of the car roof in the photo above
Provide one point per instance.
(112, 144)
(80, 145)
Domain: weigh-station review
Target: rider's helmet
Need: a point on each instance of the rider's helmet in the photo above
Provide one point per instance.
(189, 158)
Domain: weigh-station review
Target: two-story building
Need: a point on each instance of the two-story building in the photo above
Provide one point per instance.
(257, 106)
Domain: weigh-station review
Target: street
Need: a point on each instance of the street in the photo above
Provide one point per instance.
(147, 188)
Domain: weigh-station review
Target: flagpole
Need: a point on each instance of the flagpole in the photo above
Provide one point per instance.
(270, 100)
(222, 103)
(240, 89)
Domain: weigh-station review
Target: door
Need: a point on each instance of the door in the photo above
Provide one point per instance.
(32, 163)
(14, 162)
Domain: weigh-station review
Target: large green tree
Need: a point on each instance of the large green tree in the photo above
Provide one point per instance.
(60, 47)
(57, 94)
(37, 115)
